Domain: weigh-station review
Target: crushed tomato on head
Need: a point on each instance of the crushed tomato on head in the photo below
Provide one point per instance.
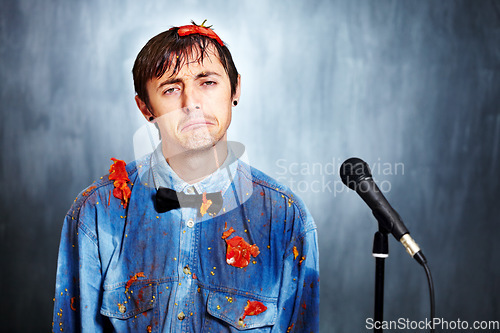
(193, 28)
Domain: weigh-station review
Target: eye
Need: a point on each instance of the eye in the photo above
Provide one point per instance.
(209, 83)
(169, 91)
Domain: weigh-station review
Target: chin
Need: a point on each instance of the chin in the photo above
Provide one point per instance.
(199, 144)
(199, 140)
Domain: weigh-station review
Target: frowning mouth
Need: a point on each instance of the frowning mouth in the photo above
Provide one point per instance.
(195, 124)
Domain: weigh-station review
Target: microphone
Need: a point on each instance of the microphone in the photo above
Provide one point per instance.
(356, 175)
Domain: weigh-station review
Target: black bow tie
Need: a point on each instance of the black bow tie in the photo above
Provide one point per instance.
(168, 199)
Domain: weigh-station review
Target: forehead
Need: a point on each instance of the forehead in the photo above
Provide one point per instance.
(194, 63)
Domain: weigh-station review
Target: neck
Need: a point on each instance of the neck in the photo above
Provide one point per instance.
(194, 166)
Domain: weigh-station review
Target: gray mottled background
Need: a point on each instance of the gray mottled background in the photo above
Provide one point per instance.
(412, 87)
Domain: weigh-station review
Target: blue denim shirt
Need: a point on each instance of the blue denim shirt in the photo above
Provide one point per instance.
(135, 270)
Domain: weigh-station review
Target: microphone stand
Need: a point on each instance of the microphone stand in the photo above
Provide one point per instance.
(380, 252)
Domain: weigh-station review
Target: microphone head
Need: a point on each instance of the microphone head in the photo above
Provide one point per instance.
(354, 170)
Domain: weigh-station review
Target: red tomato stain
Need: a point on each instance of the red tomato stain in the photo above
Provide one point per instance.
(238, 252)
(72, 304)
(87, 191)
(141, 295)
(118, 173)
(295, 253)
(205, 204)
(253, 308)
(262, 193)
(133, 279)
(228, 233)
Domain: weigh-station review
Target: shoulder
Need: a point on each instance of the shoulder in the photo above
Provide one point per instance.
(279, 193)
(100, 191)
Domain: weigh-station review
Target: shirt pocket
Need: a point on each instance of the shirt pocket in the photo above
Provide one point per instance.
(230, 307)
(123, 307)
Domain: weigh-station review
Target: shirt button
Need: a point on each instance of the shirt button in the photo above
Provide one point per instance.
(190, 190)
(181, 316)
(190, 223)
(122, 308)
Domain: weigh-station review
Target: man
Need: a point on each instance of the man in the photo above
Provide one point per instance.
(188, 238)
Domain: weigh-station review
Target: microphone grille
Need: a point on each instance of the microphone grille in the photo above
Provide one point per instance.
(354, 170)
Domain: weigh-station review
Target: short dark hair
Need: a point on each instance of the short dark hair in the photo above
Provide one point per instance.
(169, 50)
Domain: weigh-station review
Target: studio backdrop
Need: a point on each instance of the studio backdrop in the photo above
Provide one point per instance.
(411, 87)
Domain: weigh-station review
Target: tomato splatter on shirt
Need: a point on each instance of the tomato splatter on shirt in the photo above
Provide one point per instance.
(238, 252)
(295, 253)
(87, 191)
(72, 304)
(133, 279)
(253, 308)
(118, 173)
(205, 204)
(228, 233)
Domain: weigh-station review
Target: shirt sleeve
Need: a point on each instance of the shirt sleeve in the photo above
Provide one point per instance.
(299, 299)
(77, 294)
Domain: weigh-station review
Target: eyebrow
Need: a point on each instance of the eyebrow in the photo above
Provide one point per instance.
(168, 81)
(205, 74)
(177, 80)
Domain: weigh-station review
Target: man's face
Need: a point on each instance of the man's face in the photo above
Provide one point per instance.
(193, 106)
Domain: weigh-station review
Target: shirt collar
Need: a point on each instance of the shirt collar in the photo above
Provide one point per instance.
(165, 176)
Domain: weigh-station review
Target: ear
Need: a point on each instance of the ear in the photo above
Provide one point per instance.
(237, 93)
(144, 108)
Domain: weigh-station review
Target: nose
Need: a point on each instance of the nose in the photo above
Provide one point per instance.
(190, 100)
